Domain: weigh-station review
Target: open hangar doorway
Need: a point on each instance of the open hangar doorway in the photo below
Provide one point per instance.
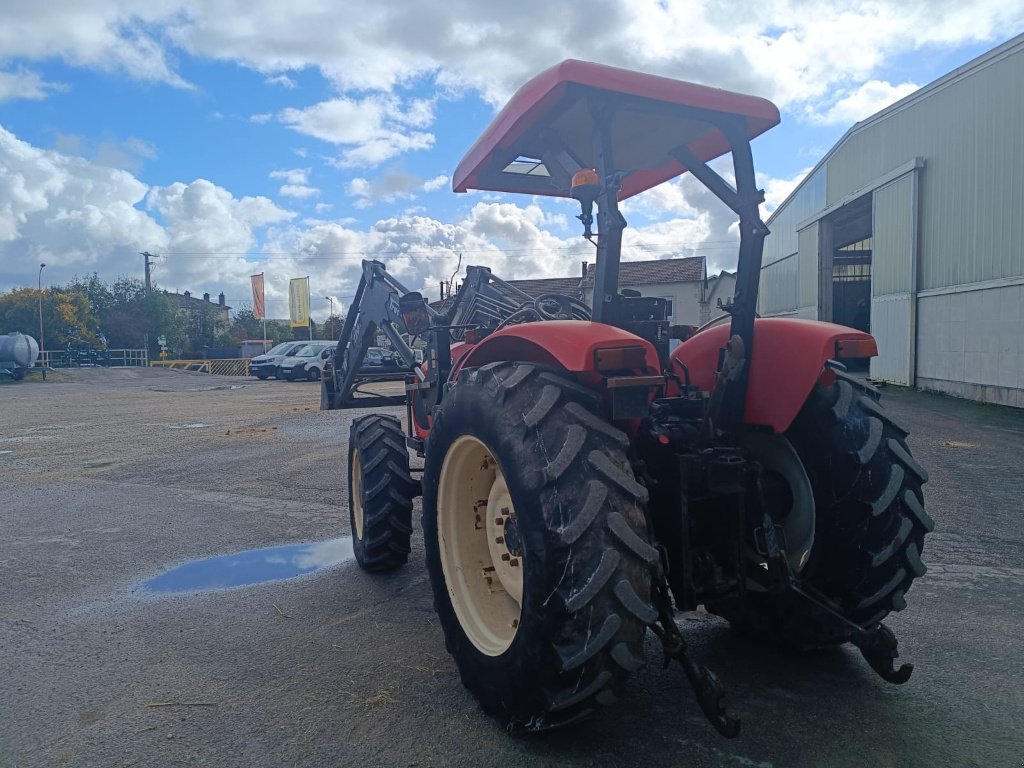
(846, 256)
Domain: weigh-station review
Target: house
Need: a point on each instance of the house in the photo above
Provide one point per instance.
(189, 305)
(203, 320)
(692, 296)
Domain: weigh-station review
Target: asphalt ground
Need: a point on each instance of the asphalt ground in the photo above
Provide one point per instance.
(113, 476)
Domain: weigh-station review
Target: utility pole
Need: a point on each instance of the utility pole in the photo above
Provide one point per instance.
(42, 343)
(331, 299)
(146, 256)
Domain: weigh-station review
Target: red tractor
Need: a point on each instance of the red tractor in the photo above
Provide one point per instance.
(580, 483)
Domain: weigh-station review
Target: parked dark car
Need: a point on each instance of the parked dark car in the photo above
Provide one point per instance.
(378, 360)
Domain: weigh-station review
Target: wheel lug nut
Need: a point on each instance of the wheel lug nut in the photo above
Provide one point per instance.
(499, 539)
(499, 521)
(506, 557)
(514, 562)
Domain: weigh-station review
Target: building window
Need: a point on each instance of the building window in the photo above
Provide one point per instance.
(669, 311)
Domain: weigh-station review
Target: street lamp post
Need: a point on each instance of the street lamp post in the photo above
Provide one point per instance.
(42, 344)
(331, 299)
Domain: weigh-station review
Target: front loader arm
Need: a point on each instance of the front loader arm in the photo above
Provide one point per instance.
(375, 306)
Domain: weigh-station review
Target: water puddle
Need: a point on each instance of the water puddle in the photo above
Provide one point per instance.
(255, 566)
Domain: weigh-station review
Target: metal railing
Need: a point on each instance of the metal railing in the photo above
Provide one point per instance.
(235, 367)
(112, 358)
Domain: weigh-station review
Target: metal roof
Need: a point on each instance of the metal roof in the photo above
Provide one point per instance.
(546, 131)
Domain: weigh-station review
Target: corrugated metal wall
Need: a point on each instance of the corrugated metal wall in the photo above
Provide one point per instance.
(779, 287)
(775, 294)
(893, 237)
(808, 296)
(971, 134)
(810, 199)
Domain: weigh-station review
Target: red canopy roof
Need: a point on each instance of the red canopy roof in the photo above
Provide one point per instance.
(652, 116)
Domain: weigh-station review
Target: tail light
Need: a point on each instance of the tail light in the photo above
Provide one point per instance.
(620, 358)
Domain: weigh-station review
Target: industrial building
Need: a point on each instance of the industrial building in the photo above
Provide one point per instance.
(912, 225)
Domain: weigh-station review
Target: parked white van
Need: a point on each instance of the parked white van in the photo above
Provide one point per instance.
(308, 362)
(265, 365)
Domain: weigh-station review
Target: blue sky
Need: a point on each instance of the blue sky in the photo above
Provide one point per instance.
(233, 138)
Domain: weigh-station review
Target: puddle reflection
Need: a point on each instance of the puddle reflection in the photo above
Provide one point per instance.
(255, 566)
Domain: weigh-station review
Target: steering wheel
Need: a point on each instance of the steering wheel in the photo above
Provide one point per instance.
(557, 306)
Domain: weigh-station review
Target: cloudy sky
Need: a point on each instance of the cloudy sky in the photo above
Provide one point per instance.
(296, 138)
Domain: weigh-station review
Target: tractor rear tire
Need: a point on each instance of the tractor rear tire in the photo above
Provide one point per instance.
(545, 620)
(870, 521)
(381, 491)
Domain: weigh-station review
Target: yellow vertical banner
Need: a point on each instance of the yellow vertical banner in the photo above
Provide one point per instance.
(298, 302)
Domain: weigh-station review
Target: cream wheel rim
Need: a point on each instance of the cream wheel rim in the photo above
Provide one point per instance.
(481, 546)
(356, 489)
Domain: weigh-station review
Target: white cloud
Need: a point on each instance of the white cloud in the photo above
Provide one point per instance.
(296, 183)
(394, 184)
(74, 215)
(370, 130)
(24, 84)
(105, 35)
(127, 154)
(79, 216)
(292, 175)
(282, 80)
(438, 182)
(800, 53)
(853, 105)
(298, 191)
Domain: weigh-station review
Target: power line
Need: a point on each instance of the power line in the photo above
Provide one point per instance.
(581, 248)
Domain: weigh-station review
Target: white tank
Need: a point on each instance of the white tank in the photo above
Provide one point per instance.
(18, 350)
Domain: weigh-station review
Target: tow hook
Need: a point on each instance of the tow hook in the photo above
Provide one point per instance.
(706, 686)
(878, 647)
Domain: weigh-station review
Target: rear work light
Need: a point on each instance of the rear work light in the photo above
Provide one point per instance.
(620, 358)
(856, 348)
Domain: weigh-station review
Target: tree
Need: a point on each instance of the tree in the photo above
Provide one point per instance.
(132, 318)
(332, 327)
(67, 316)
(245, 325)
(201, 327)
(96, 292)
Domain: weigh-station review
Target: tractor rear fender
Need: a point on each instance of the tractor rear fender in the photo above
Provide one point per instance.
(789, 358)
(568, 344)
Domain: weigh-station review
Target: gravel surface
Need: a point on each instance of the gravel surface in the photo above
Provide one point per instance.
(115, 476)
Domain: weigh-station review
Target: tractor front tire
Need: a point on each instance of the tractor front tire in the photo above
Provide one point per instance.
(870, 521)
(536, 544)
(380, 491)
